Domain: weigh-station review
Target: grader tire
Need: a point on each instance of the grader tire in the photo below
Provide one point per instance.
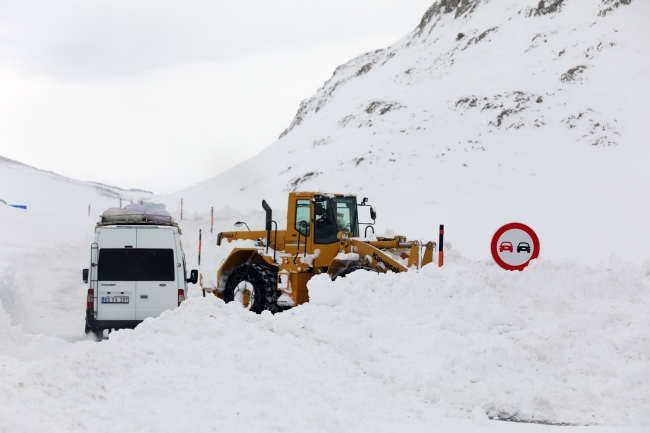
(264, 281)
(351, 269)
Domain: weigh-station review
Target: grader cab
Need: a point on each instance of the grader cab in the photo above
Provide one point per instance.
(322, 237)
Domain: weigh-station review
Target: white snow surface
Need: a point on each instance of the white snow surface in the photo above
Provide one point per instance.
(559, 343)
(44, 191)
(536, 114)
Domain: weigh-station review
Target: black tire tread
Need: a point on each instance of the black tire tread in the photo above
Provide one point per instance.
(263, 278)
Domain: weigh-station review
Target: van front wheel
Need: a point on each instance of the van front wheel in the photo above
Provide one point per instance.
(254, 287)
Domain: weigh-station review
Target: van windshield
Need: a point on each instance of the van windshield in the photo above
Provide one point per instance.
(138, 264)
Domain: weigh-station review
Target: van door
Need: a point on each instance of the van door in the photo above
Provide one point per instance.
(116, 274)
(156, 286)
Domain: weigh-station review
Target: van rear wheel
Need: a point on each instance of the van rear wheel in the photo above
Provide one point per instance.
(97, 333)
(254, 286)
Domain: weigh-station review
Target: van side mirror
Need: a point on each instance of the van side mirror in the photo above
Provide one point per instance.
(85, 275)
(373, 214)
(194, 276)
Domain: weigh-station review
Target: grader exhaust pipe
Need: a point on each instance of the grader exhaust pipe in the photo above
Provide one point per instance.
(269, 222)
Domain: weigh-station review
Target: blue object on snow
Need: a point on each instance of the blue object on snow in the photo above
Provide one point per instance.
(19, 206)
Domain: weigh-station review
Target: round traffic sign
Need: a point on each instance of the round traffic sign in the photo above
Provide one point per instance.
(514, 245)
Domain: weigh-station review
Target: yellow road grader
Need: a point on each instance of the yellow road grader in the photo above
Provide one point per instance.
(322, 237)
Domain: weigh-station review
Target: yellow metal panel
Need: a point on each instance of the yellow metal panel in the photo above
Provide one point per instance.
(428, 253)
(414, 255)
(378, 257)
(299, 292)
(237, 257)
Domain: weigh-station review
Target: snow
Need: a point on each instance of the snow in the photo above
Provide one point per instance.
(348, 256)
(559, 342)
(459, 348)
(48, 192)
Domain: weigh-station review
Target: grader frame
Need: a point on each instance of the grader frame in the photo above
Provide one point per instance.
(308, 247)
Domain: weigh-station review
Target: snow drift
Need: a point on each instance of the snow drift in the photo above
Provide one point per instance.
(557, 343)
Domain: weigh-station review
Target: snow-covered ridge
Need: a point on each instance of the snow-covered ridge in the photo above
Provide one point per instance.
(49, 192)
(462, 10)
(487, 112)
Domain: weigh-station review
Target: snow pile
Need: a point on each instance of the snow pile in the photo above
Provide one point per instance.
(135, 213)
(556, 343)
(41, 258)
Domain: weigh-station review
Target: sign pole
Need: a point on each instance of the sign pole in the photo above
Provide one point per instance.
(440, 245)
(199, 247)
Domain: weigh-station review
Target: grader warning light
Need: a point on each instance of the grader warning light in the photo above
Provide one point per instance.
(322, 237)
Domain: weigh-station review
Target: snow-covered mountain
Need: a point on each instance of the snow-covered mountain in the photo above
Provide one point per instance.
(48, 192)
(487, 112)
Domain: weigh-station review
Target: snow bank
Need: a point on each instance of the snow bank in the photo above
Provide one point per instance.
(557, 343)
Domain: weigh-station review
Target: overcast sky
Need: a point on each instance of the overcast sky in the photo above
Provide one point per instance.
(159, 94)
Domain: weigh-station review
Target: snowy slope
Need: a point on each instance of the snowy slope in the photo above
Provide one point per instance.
(488, 112)
(44, 191)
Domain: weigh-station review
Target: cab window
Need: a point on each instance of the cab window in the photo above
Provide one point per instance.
(302, 216)
(332, 215)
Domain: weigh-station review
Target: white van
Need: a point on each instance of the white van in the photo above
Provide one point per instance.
(137, 270)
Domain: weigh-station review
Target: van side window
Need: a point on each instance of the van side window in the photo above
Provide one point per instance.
(139, 264)
(302, 216)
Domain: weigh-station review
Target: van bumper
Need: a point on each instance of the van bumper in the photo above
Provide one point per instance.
(109, 324)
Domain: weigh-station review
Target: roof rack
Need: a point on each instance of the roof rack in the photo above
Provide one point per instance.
(134, 222)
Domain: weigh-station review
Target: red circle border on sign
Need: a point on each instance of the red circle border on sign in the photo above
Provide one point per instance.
(502, 230)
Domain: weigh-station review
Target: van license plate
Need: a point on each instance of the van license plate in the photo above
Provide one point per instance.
(115, 299)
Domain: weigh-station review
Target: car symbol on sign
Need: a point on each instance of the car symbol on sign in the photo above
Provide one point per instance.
(505, 246)
(523, 246)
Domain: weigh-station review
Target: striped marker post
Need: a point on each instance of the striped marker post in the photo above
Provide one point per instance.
(181, 209)
(88, 210)
(199, 247)
(211, 219)
(440, 245)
